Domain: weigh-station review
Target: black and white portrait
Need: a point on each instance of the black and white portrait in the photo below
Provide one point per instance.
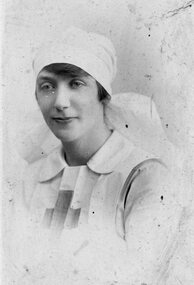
(98, 142)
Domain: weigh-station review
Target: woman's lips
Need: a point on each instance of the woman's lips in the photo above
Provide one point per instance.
(63, 120)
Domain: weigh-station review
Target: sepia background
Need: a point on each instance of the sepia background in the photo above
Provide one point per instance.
(154, 41)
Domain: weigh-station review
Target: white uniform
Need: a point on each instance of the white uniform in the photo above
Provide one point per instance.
(130, 230)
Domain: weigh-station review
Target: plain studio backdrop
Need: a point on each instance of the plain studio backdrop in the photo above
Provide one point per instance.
(154, 41)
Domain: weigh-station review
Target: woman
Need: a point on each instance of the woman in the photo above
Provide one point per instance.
(106, 204)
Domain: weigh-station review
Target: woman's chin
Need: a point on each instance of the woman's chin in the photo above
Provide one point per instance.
(66, 136)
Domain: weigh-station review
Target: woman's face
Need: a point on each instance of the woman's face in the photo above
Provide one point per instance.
(70, 105)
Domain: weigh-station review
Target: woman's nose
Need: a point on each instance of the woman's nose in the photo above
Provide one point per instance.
(62, 98)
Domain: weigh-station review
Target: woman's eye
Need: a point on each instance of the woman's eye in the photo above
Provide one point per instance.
(76, 84)
(47, 87)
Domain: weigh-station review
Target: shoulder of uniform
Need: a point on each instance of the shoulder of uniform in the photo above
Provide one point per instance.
(33, 168)
(151, 177)
(137, 158)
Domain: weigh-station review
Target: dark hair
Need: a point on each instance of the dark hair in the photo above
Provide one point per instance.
(75, 71)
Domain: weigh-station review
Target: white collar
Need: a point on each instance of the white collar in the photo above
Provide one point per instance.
(115, 149)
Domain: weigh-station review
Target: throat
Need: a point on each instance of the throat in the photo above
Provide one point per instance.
(80, 151)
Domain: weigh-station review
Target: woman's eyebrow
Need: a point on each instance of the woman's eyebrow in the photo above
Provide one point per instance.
(44, 78)
(52, 78)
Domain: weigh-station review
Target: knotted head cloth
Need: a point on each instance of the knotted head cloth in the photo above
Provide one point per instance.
(133, 115)
(92, 52)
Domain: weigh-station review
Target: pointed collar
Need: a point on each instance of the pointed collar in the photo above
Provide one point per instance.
(52, 164)
(115, 149)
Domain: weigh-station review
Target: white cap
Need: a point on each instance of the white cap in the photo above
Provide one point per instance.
(92, 52)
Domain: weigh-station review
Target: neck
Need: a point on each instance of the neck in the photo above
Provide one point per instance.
(79, 152)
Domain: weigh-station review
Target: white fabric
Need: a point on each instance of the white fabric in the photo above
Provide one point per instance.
(97, 249)
(92, 52)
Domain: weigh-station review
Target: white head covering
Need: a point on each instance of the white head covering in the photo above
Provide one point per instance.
(92, 52)
(133, 115)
